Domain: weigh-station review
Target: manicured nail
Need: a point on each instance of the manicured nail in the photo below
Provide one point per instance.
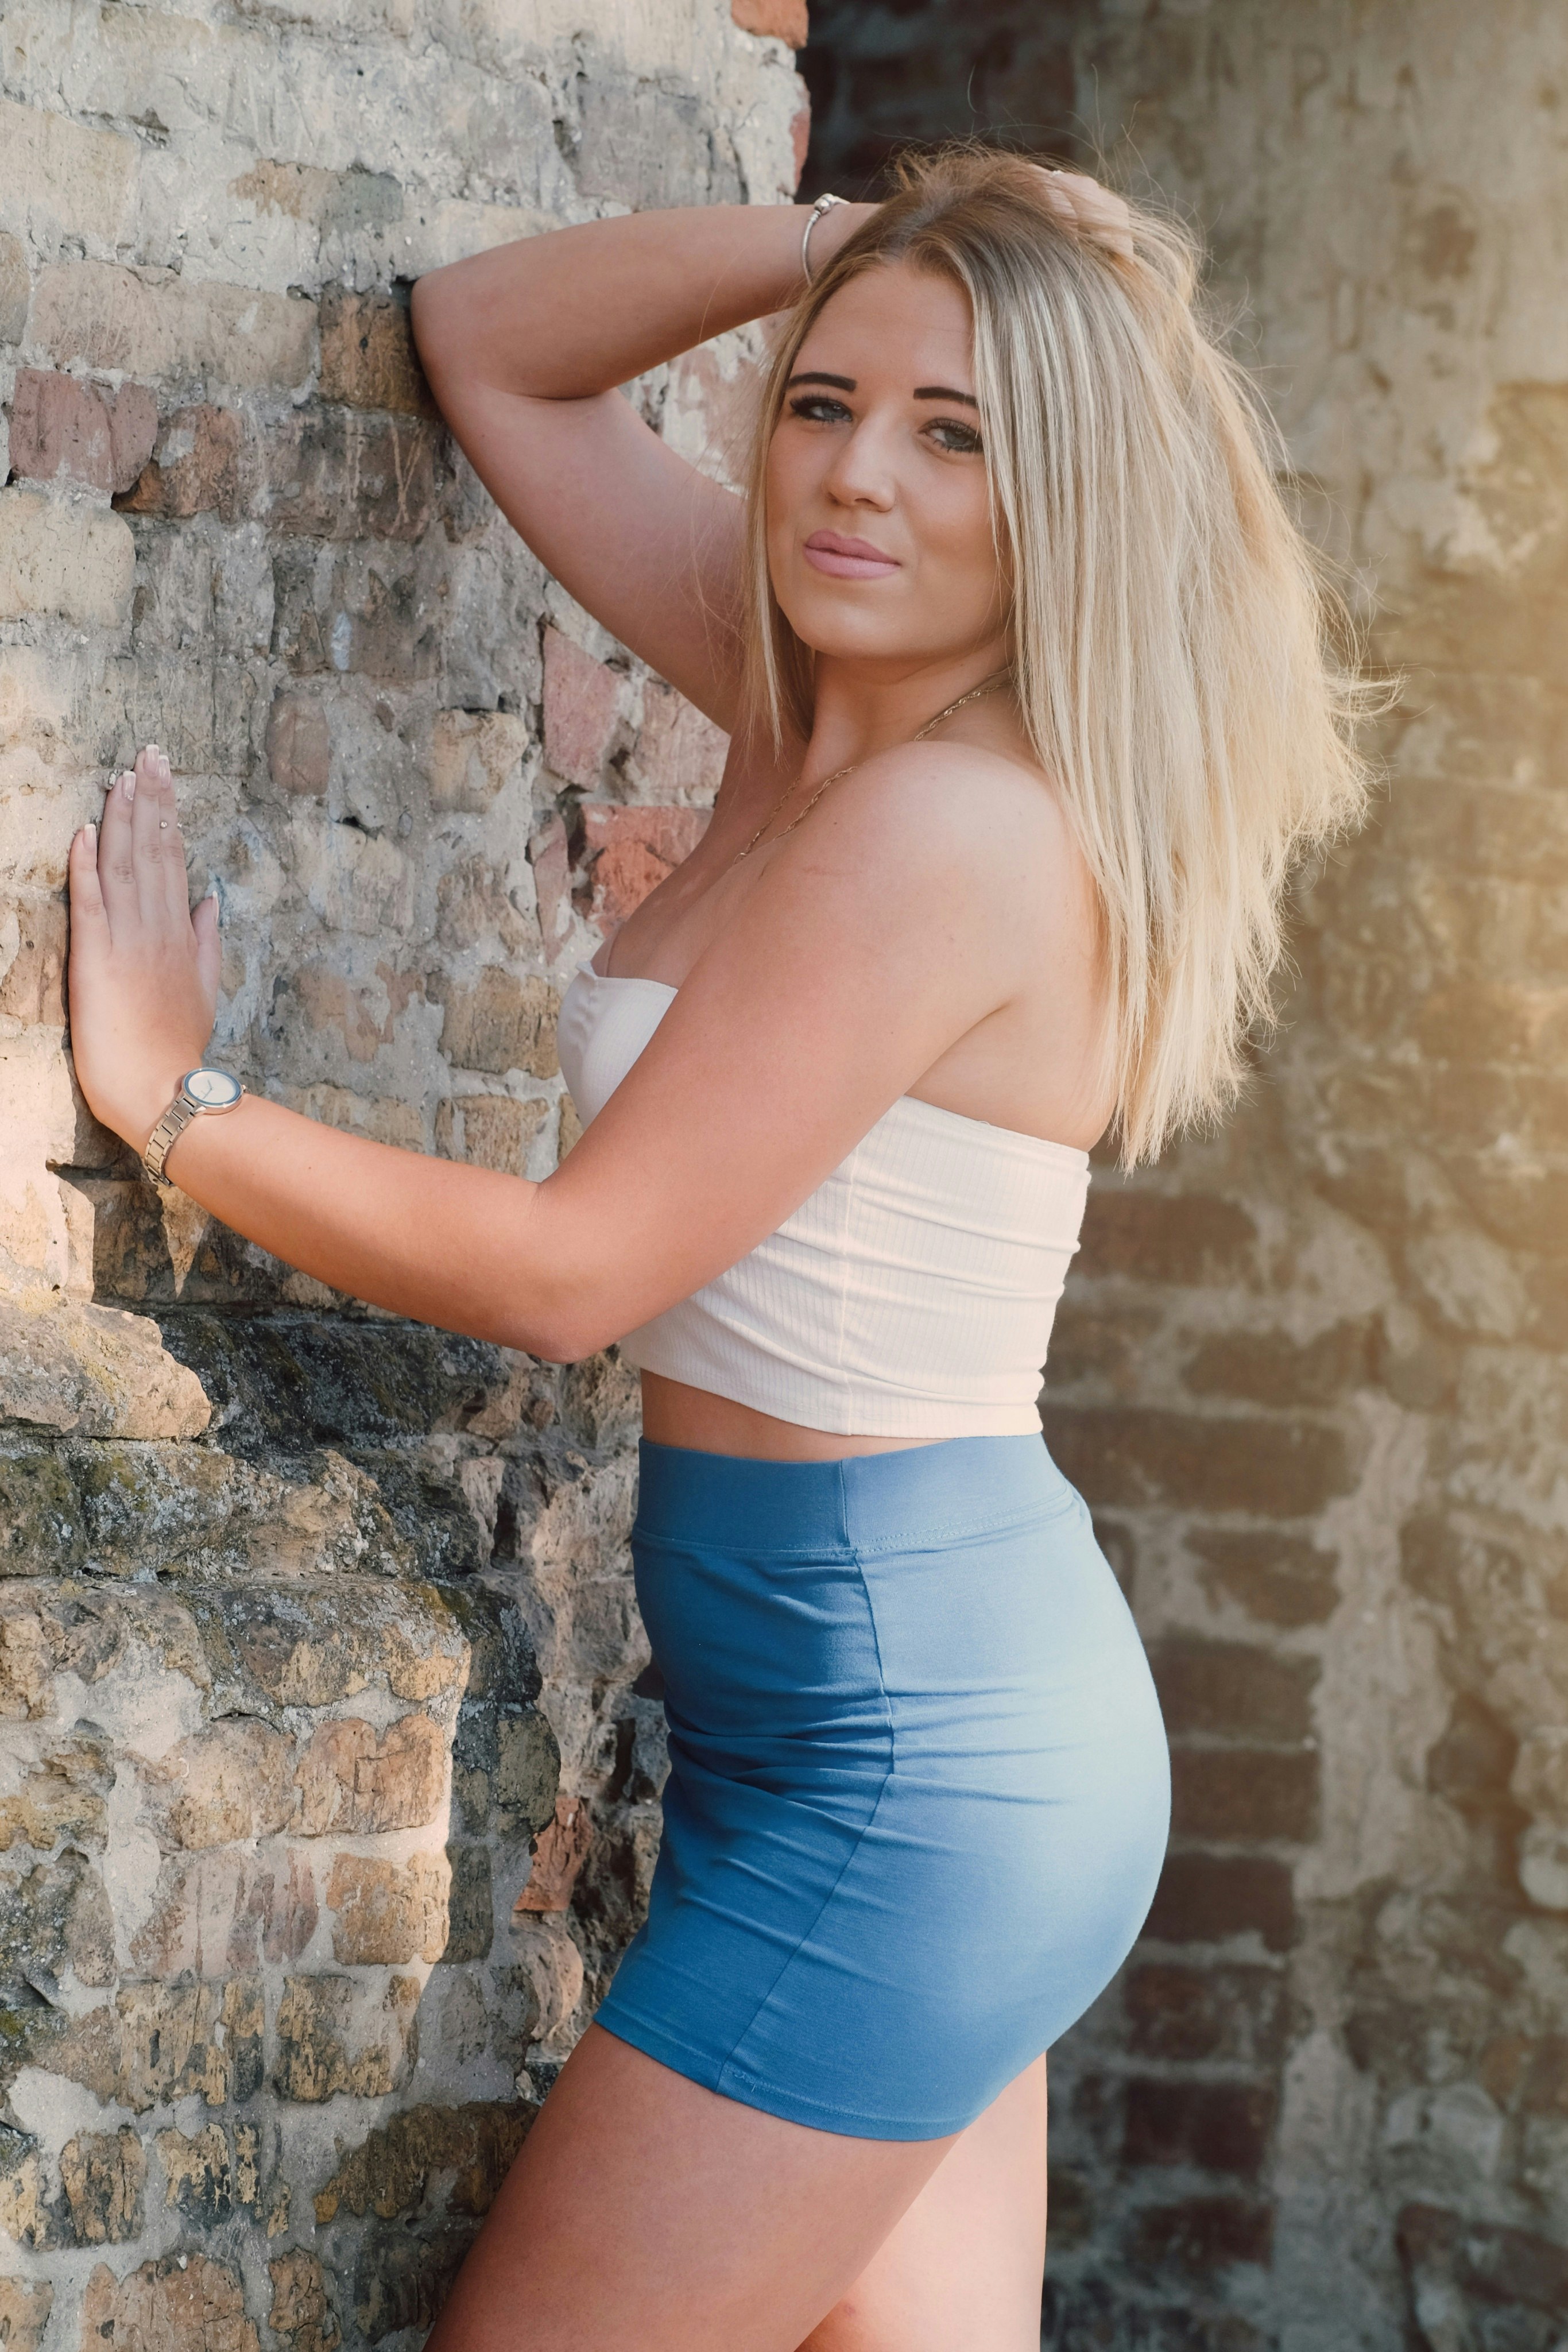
(163, 766)
(91, 833)
(127, 783)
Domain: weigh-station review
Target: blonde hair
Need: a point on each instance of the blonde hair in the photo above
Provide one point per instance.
(1171, 627)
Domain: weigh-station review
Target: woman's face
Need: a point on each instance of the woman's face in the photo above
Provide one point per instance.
(878, 528)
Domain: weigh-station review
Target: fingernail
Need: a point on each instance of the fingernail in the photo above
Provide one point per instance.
(164, 767)
(127, 783)
(91, 833)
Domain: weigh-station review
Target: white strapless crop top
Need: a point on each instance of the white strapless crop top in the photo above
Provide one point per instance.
(911, 1295)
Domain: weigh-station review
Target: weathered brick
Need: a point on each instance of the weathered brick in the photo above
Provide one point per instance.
(559, 1852)
(1185, 1238)
(301, 2311)
(64, 178)
(1143, 1455)
(388, 1913)
(197, 2172)
(298, 745)
(25, 2307)
(1220, 2126)
(1244, 1795)
(355, 1782)
(1279, 1579)
(472, 754)
(678, 752)
(171, 329)
(74, 560)
(632, 849)
(1203, 2235)
(391, 2169)
(32, 979)
(1223, 2013)
(1206, 1899)
(198, 464)
(332, 473)
(335, 2035)
(367, 359)
(488, 1130)
(1270, 1368)
(1232, 1690)
(1486, 2259)
(783, 20)
(500, 1024)
(184, 2303)
(102, 2178)
(16, 291)
(581, 711)
(233, 1780)
(63, 430)
(470, 1904)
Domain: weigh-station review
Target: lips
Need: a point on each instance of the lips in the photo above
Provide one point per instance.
(848, 559)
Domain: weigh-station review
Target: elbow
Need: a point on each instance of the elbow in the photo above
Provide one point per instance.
(564, 1330)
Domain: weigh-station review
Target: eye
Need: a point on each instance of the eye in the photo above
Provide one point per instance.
(948, 433)
(819, 408)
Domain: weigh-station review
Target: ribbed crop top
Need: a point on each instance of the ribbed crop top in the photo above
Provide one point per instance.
(912, 1294)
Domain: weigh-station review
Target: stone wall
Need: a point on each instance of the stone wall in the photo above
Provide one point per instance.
(319, 1672)
(1310, 1373)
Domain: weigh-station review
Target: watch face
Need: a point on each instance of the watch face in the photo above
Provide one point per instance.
(211, 1089)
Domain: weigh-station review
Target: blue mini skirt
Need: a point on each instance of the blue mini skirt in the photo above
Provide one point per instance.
(919, 1791)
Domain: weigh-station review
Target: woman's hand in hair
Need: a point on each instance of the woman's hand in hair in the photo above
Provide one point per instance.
(143, 969)
(1095, 212)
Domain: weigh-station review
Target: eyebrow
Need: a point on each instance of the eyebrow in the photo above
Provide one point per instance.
(847, 384)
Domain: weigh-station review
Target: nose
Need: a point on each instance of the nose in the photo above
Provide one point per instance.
(862, 472)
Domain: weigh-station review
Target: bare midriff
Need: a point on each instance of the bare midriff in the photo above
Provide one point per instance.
(676, 1414)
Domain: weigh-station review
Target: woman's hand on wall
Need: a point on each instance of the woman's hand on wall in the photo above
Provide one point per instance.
(144, 968)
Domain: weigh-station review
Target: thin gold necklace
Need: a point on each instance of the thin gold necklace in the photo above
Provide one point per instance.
(987, 686)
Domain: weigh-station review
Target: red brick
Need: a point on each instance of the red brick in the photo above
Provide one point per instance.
(63, 430)
(1244, 1794)
(1203, 2234)
(1219, 2127)
(1135, 1456)
(582, 710)
(1229, 1689)
(1279, 1579)
(1226, 2012)
(784, 19)
(800, 140)
(559, 1852)
(632, 849)
(678, 750)
(1270, 1368)
(1147, 1236)
(198, 465)
(1486, 2259)
(1207, 1899)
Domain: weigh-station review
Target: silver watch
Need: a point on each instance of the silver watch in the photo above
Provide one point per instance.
(200, 1092)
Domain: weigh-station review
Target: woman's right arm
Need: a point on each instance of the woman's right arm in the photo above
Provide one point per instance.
(524, 347)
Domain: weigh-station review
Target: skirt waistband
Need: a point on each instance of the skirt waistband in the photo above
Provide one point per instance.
(911, 1495)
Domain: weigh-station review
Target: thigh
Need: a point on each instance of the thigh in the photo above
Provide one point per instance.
(961, 2270)
(646, 2210)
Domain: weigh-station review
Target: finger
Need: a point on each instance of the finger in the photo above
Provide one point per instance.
(172, 846)
(87, 908)
(207, 922)
(1092, 209)
(116, 873)
(149, 835)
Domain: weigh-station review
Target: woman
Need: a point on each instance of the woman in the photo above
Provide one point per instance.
(1021, 659)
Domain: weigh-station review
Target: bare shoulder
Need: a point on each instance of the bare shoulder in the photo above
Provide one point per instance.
(949, 818)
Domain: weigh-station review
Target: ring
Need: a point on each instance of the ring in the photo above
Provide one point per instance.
(163, 824)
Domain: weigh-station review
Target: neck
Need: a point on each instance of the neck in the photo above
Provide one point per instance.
(864, 708)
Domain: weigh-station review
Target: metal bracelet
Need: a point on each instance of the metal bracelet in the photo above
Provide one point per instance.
(823, 205)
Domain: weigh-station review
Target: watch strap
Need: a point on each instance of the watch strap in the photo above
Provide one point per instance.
(174, 1122)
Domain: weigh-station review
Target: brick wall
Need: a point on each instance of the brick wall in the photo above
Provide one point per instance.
(318, 1663)
(1309, 1374)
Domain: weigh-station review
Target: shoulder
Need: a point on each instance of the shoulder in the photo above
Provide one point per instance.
(941, 819)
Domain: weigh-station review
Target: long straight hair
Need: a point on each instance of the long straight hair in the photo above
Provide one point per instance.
(1171, 631)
